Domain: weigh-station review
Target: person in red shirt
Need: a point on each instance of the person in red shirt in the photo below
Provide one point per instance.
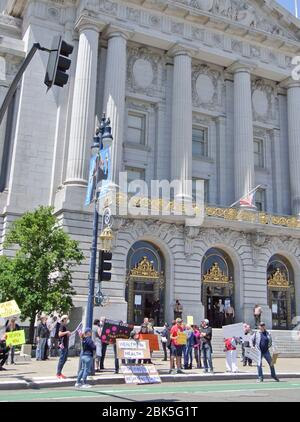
(230, 350)
(175, 348)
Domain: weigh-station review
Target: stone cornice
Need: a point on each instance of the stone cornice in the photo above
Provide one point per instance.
(289, 83)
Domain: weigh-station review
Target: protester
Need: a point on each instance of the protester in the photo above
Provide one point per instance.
(229, 314)
(246, 343)
(262, 341)
(197, 346)
(104, 344)
(156, 311)
(230, 350)
(178, 309)
(11, 325)
(53, 328)
(257, 313)
(175, 348)
(206, 348)
(86, 358)
(63, 335)
(146, 328)
(164, 337)
(42, 336)
(4, 352)
(96, 336)
(188, 350)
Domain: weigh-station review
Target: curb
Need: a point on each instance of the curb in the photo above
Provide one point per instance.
(69, 382)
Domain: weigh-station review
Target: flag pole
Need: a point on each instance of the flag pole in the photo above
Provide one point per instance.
(249, 193)
(296, 8)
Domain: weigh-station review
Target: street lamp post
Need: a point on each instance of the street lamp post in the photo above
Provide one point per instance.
(103, 135)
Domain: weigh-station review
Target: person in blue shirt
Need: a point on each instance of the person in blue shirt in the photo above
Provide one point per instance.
(86, 359)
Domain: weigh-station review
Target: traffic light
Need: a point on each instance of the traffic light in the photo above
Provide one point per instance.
(58, 63)
(104, 266)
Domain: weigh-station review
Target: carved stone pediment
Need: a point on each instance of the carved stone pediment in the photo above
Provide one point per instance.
(246, 13)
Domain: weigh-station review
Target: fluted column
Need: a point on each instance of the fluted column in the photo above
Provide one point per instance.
(293, 107)
(181, 166)
(243, 131)
(114, 94)
(83, 110)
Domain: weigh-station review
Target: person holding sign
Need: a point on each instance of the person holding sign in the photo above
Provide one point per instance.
(4, 351)
(176, 348)
(11, 325)
(63, 335)
(262, 341)
(86, 359)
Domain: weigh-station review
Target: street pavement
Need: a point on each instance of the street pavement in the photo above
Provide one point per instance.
(287, 390)
(43, 373)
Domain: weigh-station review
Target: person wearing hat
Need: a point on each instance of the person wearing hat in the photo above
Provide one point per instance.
(262, 341)
(206, 348)
(63, 335)
(86, 358)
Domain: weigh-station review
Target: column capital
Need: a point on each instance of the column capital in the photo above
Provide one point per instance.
(181, 50)
(112, 31)
(88, 22)
(241, 66)
(289, 83)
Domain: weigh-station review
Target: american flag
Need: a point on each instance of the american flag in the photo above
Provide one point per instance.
(247, 201)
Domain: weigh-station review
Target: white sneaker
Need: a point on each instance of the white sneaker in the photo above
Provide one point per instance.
(78, 384)
(85, 386)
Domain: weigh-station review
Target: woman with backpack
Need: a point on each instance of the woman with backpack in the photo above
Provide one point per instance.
(86, 358)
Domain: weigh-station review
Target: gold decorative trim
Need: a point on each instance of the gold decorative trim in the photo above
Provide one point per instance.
(215, 275)
(144, 269)
(278, 279)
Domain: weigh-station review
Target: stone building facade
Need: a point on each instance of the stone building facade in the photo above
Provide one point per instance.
(195, 89)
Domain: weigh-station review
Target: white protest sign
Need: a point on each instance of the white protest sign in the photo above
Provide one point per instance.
(143, 374)
(72, 339)
(253, 354)
(233, 330)
(133, 354)
(132, 344)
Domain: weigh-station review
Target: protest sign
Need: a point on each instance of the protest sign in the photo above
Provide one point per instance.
(190, 320)
(14, 338)
(233, 330)
(153, 341)
(9, 309)
(253, 354)
(133, 349)
(72, 337)
(113, 330)
(142, 374)
(181, 339)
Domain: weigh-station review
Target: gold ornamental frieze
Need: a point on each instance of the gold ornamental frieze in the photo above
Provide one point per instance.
(278, 279)
(215, 275)
(144, 269)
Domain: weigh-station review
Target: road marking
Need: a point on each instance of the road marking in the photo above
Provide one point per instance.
(217, 388)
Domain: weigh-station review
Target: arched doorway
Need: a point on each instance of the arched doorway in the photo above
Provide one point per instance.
(145, 283)
(217, 284)
(281, 292)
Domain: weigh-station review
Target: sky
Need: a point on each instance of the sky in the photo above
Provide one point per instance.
(290, 5)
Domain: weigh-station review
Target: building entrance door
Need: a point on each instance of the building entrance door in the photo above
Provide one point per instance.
(143, 301)
(280, 304)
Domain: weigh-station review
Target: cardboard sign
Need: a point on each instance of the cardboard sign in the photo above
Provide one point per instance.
(9, 309)
(153, 340)
(132, 349)
(233, 330)
(142, 374)
(252, 354)
(14, 338)
(112, 330)
(181, 339)
(190, 320)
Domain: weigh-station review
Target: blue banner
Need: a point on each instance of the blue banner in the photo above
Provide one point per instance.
(100, 172)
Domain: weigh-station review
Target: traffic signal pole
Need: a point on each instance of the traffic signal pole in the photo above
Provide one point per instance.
(13, 87)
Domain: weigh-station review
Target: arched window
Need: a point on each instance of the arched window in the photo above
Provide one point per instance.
(145, 284)
(281, 292)
(217, 287)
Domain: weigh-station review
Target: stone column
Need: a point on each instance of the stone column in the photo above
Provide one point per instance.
(114, 94)
(181, 165)
(243, 131)
(293, 107)
(83, 110)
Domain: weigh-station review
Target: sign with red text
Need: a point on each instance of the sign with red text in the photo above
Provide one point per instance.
(140, 374)
(133, 349)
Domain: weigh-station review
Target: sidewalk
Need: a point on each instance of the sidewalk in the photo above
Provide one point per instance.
(39, 374)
